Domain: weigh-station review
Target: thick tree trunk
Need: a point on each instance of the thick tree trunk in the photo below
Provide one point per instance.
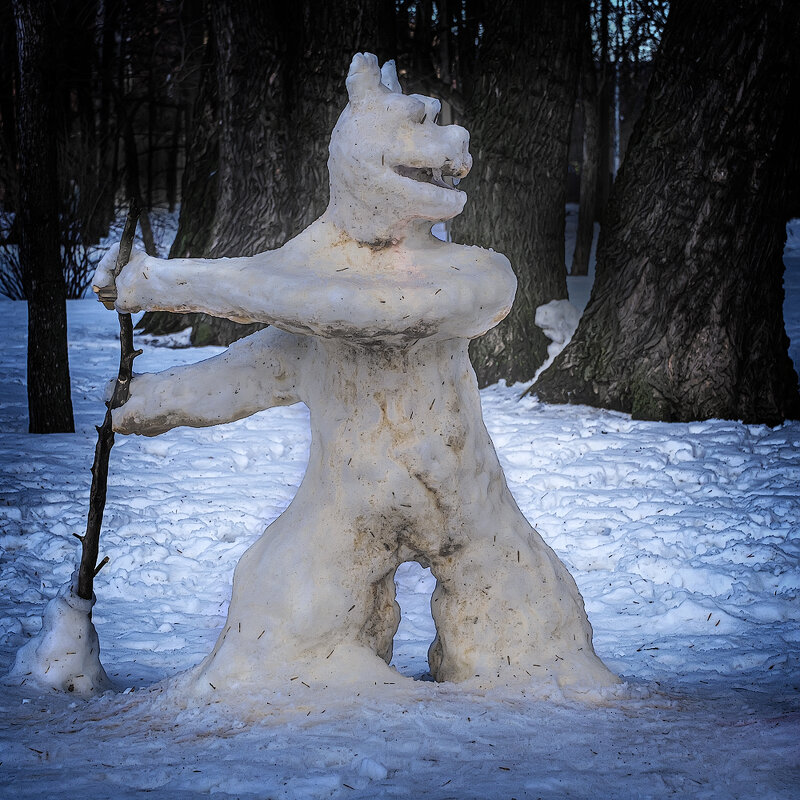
(151, 137)
(328, 34)
(685, 320)
(518, 114)
(257, 172)
(253, 184)
(199, 185)
(49, 401)
(198, 190)
(237, 188)
(588, 196)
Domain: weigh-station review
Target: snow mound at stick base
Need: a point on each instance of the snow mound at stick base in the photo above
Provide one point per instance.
(65, 654)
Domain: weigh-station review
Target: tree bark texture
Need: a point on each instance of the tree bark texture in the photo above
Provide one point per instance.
(8, 136)
(253, 184)
(106, 134)
(326, 35)
(199, 185)
(78, 153)
(257, 172)
(518, 113)
(588, 191)
(685, 320)
(252, 181)
(49, 401)
(604, 93)
(198, 193)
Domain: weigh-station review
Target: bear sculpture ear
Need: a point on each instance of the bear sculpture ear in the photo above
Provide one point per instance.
(389, 77)
(363, 78)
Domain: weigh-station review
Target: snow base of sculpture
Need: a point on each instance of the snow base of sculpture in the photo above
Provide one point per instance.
(65, 654)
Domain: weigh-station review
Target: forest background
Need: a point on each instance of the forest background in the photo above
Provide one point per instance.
(674, 125)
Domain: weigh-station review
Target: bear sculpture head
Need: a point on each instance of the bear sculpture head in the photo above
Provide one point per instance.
(389, 159)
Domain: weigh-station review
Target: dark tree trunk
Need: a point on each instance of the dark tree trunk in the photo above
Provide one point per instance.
(172, 161)
(199, 186)
(78, 165)
(134, 184)
(604, 115)
(198, 191)
(151, 135)
(257, 172)
(237, 187)
(49, 401)
(253, 183)
(329, 34)
(8, 70)
(685, 320)
(106, 133)
(518, 113)
(588, 195)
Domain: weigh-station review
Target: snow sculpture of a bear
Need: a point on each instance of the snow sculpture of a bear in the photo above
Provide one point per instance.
(371, 318)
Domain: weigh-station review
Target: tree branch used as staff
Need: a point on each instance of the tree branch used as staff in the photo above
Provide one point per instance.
(90, 541)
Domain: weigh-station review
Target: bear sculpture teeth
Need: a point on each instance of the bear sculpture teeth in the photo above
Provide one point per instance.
(431, 175)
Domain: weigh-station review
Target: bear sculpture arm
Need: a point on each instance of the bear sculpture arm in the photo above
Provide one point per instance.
(321, 283)
(254, 373)
(222, 287)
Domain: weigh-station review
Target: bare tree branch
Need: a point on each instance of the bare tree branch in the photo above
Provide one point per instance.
(90, 542)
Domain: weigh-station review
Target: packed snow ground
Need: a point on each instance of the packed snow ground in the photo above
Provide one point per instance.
(684, 540)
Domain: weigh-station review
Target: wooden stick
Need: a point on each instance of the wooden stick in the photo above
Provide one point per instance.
(90, 541)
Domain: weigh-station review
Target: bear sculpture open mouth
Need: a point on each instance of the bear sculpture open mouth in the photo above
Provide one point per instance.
(432, 175)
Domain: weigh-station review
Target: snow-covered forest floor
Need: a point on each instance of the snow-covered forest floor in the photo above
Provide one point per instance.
(684, 540)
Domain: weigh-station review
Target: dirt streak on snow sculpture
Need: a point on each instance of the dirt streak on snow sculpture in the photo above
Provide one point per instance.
(371, 320)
